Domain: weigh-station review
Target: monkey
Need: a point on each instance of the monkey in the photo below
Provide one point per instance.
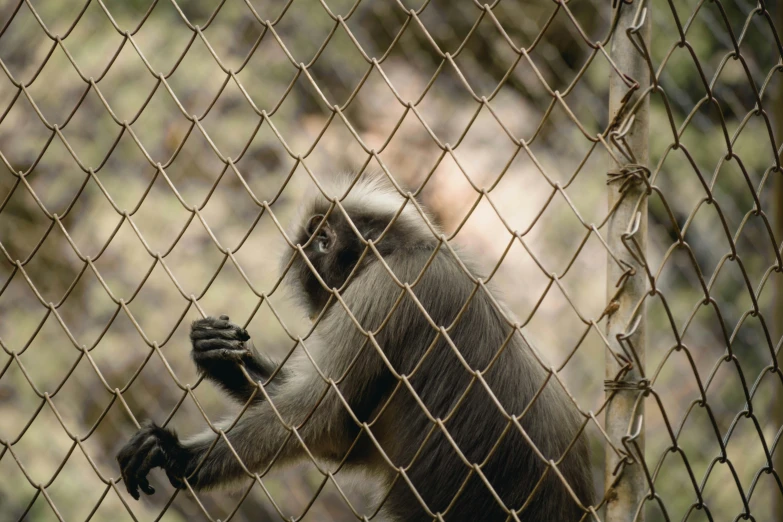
(414, 373)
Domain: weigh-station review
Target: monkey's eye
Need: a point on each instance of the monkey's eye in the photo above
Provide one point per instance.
(323, 236)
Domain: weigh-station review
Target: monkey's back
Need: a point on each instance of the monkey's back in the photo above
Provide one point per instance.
(466, 442)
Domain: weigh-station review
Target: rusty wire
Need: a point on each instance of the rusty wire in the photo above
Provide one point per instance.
(683, 107)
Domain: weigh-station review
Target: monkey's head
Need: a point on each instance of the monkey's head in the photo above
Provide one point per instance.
(335, 238)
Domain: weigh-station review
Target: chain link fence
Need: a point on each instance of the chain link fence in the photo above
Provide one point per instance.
(155, 151)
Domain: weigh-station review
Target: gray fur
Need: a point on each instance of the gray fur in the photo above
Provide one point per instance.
(385, 423)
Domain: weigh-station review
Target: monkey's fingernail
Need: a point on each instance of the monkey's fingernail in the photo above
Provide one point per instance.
(144, 484)
(224, 318)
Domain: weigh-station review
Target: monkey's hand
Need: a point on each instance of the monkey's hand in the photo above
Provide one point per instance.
(152, 447)
(221, 349)
(218, 342)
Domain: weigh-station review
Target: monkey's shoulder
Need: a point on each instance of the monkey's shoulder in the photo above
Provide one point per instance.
(416, 283)
(425, 267)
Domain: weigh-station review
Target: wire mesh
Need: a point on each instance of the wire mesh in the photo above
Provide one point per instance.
(155, 154)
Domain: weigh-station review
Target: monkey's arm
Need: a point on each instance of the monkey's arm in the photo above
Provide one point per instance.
(221, 348)
(303, 399)
(305, 402)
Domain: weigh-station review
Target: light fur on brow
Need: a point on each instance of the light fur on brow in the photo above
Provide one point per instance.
(373, 193)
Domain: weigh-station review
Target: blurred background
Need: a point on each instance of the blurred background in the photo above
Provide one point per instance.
(114, 206)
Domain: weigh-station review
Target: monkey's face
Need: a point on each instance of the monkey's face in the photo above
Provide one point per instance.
(336, 249)
(333, 250)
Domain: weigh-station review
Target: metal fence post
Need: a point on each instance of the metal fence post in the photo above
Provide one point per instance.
(626, 485)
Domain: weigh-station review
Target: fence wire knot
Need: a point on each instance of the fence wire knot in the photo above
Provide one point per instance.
(611, 385)
(629, 175)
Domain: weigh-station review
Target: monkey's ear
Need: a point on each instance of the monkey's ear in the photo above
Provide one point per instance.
(324, 236)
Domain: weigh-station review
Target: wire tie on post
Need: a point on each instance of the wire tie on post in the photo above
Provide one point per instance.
(629, 175)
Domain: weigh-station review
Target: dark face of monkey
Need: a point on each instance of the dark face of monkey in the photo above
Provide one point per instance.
(337, 250)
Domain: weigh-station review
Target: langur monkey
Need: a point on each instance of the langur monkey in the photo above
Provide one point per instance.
(414, 374)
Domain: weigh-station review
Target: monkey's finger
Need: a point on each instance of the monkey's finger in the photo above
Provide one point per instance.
(131, 466)
(132, 446)
(126, 479)
(231, 334)
(147, 457)
(209, 326)
(211, 323)
(125, 454)
(133, 491)
(145, 486)
(128, 455)
(224, 318)
(153, 459)
(130, 485)
(208, 345)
